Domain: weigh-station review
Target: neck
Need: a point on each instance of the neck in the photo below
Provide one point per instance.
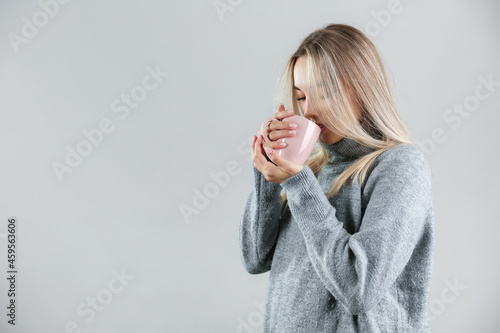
(346, 148)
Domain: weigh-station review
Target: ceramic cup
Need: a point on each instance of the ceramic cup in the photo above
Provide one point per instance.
(301, 144)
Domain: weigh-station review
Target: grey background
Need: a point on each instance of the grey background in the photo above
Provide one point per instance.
(119, 209)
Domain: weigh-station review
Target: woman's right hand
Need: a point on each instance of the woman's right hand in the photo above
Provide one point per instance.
(280, 129)
(275, 168)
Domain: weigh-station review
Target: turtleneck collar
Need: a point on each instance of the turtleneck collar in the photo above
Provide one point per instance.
(346, 148)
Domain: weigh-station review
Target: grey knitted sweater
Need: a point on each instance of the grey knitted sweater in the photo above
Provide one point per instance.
(357, 262)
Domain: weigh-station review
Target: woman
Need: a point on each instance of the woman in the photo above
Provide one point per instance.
(348, 237)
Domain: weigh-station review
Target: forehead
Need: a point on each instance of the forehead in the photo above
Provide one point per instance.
(300, 68)
(300, 73)
(300, 77)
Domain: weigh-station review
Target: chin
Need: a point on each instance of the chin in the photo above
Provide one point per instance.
(329, 138)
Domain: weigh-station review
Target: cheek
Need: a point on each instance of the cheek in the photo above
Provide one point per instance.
(328, 135)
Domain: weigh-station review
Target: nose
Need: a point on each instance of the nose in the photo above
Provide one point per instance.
(309, 112)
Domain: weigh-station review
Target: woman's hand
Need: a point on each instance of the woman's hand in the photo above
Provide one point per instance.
(275, 168)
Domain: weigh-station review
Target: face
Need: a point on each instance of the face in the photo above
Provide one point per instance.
(300, 76)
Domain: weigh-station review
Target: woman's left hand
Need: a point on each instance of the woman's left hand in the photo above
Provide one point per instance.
(278, 169)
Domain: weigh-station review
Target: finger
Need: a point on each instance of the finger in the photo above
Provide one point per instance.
(283, 114)
(279, 134)
(252, 146)
(256, 149)
(260, 157)
(256, 146)
(284, 124)
(281, 129)
(284, 165)
(271, 155)
(275, 144)
(281, 110)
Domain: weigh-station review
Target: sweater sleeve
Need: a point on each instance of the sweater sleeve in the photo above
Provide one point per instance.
(259, 225)
(358, 269)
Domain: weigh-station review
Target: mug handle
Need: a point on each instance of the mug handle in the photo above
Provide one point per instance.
(264, 127)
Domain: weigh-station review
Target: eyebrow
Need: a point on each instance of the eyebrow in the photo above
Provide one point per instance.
(321, 84)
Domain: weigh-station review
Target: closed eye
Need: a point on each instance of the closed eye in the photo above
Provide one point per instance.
(301, 98)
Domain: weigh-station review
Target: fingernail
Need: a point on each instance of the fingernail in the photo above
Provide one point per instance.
(289, 111)
(292, 132)
(268, 150)
(292, 125)
(282, 144)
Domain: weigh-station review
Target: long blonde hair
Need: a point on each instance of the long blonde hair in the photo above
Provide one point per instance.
(343, 62)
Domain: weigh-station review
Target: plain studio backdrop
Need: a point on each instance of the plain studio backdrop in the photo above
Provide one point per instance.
(124, 143)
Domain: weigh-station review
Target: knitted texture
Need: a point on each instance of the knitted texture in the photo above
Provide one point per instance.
(357, 262)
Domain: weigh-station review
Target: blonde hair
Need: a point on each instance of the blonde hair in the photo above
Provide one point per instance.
(344, 66)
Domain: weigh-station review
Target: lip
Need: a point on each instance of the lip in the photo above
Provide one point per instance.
(322, 127)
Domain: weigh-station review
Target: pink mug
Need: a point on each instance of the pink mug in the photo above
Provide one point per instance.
(301, 144)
